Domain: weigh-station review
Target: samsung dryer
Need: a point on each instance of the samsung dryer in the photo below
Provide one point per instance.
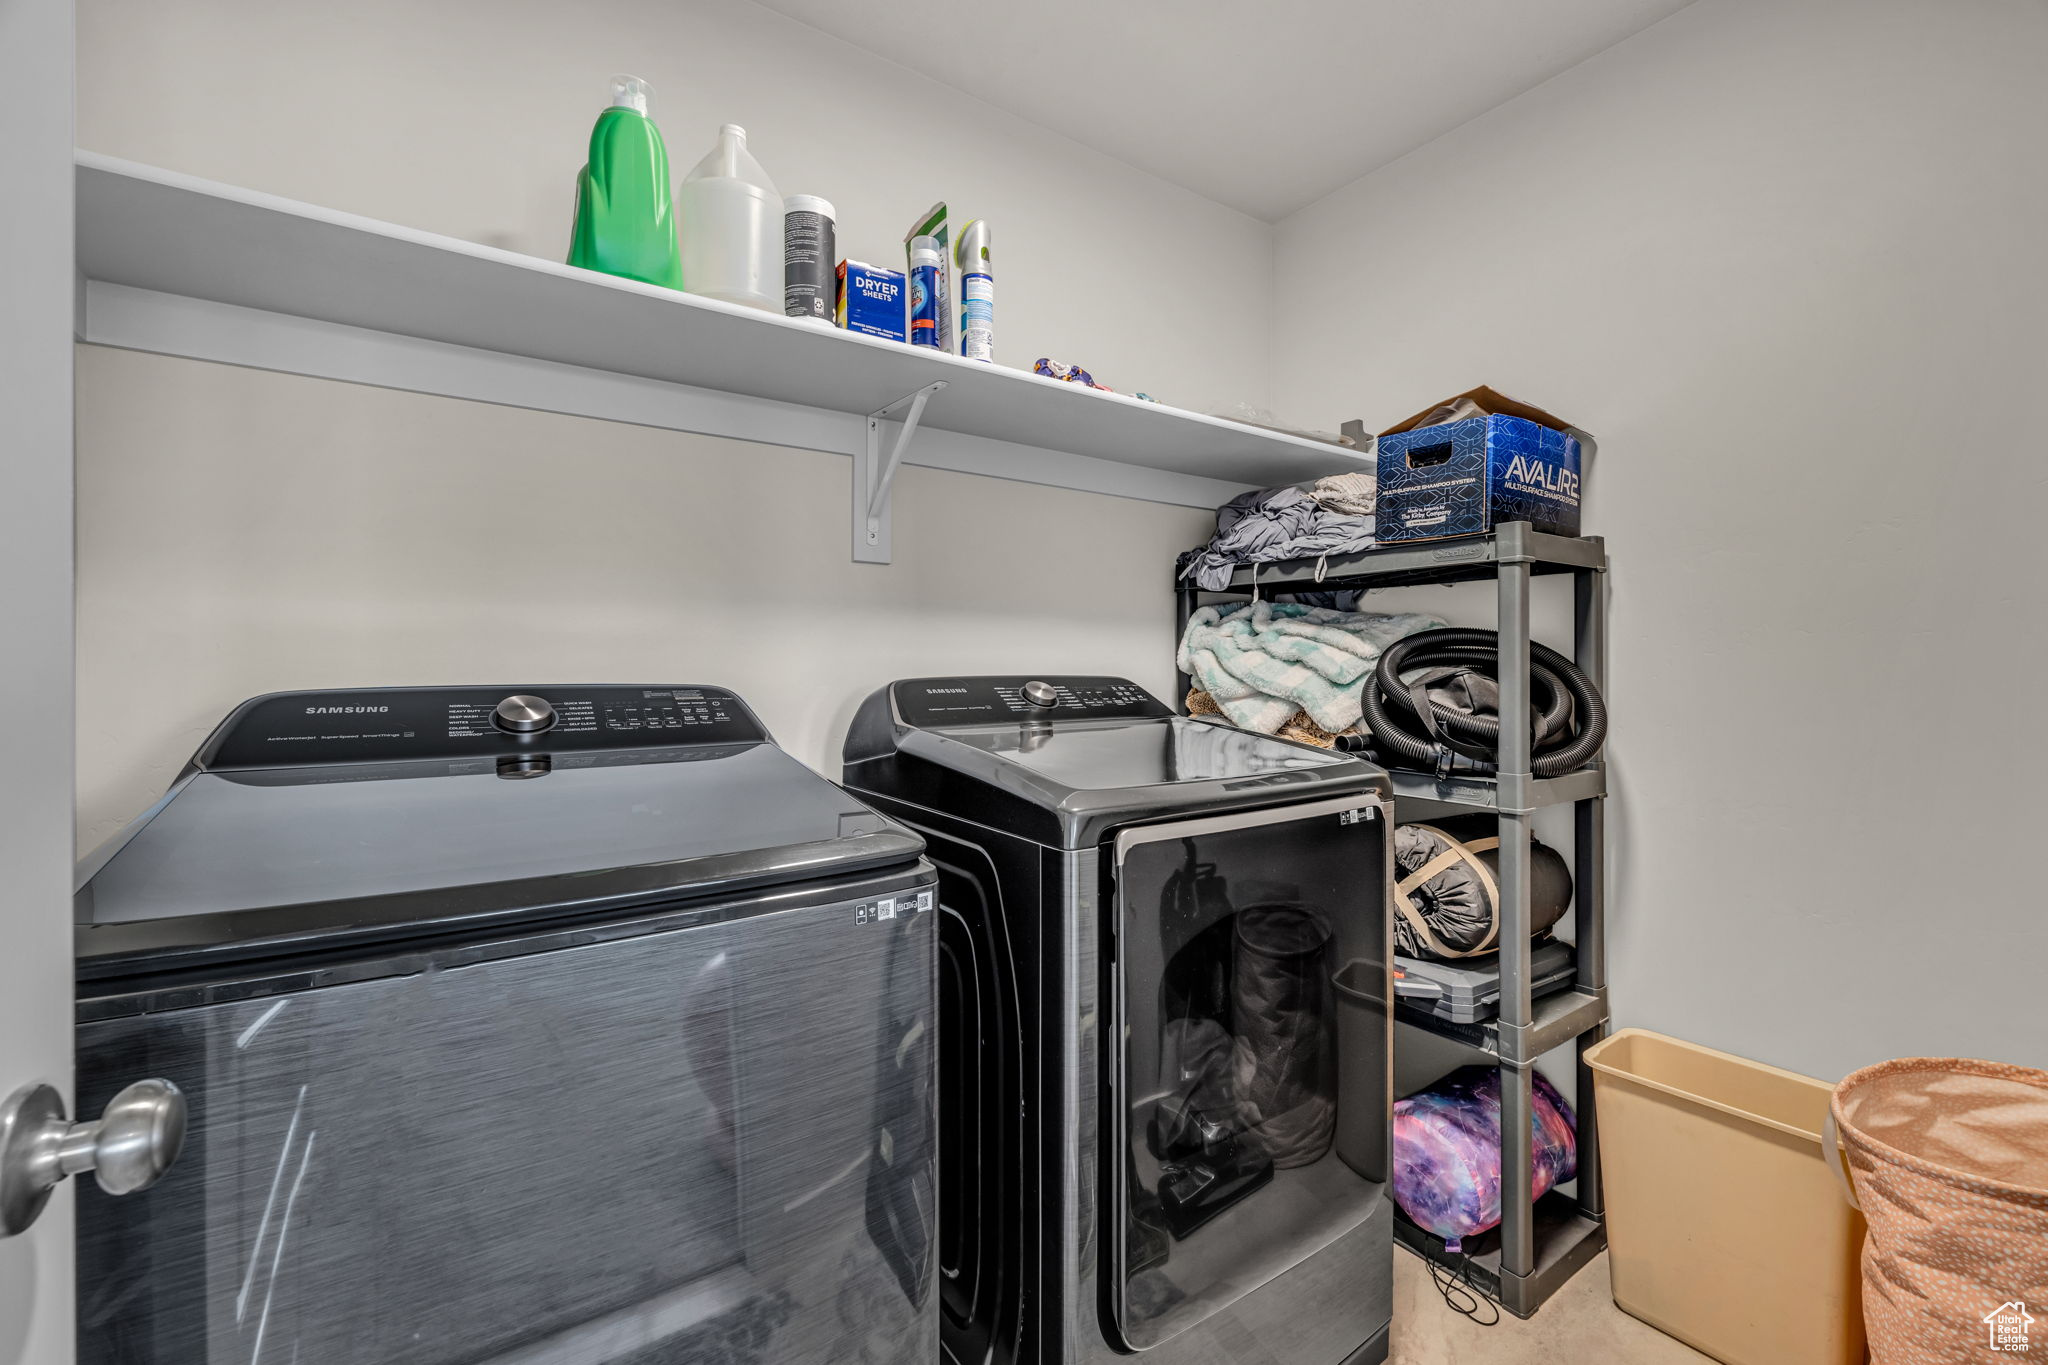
(519, 1026)
(1164, 1033)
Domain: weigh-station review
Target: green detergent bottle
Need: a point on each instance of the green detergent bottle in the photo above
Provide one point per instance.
(625, 211)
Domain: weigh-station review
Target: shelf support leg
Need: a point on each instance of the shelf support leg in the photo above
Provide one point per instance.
(1589, 867)
(1518, 1213)
(1186, 599)
(874, 474)
(1589, 588)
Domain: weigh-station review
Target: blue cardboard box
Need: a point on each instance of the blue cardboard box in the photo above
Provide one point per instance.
(1510, 462)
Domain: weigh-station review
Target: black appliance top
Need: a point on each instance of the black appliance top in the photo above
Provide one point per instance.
(311, 820)
(1065, 759)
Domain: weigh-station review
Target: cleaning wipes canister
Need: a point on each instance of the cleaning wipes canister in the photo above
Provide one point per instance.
(925, 264)
(977, 294)
(809, 283)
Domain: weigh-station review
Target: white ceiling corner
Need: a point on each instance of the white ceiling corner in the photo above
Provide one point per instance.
(1263, 107)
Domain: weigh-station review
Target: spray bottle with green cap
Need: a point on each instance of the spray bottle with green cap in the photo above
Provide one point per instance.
(977, 294)
(625, 214)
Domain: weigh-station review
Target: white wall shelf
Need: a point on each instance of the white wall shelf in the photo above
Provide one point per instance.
(188, 267)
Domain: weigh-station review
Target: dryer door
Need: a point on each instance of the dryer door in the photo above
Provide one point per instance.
(1249, 1109)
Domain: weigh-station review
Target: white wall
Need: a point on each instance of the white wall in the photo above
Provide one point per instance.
(242, 532)
(1784, 257)
(472, 117)
(1786, 261)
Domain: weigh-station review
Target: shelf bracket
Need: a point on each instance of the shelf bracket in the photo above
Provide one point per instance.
(874, 475)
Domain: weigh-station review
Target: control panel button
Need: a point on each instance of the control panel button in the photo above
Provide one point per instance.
(524, 715)
(1041, 694)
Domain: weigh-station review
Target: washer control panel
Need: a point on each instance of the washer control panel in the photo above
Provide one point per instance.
(931, 702)
(380, 725)
(521, 715)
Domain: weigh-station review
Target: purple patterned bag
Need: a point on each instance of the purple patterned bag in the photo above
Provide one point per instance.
(1447, 1151)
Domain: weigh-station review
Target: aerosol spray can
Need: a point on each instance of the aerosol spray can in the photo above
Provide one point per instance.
(977, 294)
(926, 261)
(809, 259)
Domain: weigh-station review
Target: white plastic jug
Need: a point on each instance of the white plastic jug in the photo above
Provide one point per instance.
(731, 226)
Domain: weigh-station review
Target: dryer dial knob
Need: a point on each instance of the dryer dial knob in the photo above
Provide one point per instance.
(1041, 694)
(524, 715)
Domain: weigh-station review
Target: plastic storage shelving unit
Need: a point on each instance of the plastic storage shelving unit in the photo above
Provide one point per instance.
(1540, 1244)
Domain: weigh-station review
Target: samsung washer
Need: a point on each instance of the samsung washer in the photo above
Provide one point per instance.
(518, 1026)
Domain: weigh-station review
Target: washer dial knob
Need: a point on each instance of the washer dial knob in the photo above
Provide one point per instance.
(524, 715)
(1041, 694)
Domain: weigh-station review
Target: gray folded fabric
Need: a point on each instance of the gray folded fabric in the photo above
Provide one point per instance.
(1273, 524)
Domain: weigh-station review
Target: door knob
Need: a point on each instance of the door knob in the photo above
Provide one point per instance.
(128, 1148)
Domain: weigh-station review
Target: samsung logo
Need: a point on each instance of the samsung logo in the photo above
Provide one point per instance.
(945, 691)
(343, 710)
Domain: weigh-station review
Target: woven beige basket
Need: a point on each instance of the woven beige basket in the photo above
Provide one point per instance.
(1950, 1160)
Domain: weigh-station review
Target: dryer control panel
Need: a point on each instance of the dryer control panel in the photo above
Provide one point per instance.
(383, 725)
(935, 702)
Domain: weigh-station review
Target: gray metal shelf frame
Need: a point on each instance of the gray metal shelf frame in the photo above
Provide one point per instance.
(1540, 1245)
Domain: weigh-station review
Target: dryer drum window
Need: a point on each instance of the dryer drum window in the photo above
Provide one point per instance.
(1249, 1088)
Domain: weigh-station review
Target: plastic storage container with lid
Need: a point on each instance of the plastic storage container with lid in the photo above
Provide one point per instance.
(732, 226)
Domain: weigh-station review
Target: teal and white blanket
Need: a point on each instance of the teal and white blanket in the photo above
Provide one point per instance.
(1263, 661)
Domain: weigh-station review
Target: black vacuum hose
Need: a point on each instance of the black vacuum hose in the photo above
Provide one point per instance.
(1568, 723)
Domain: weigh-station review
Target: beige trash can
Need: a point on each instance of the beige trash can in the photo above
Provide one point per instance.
(1725, 1227)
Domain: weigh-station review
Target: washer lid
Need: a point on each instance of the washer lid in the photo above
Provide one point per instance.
(1103, 755)
(257, 861)
(1062, 759)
